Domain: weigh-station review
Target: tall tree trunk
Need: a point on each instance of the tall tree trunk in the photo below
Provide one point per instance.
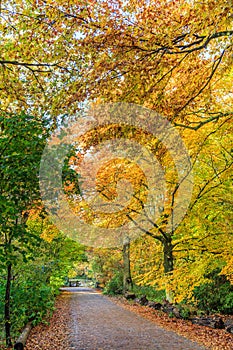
(7, 307)
(127, 280)
(168, 263)
(168, 256)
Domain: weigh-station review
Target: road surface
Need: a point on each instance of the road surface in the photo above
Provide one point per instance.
(96, 323)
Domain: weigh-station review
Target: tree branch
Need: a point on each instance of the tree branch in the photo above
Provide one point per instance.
(29, 65)
(159, 238)
(201, 123)
(214, 68)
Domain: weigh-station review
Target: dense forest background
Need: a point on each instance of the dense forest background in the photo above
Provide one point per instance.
(172, 57)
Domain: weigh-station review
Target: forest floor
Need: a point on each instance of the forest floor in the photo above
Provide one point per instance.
(86, 320)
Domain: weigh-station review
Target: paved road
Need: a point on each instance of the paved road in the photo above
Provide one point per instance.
(99, 324)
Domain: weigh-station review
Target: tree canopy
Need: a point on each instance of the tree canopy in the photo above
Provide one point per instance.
(171, 56)
(174, 58)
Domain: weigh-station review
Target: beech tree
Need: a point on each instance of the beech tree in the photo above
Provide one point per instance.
(203, 241)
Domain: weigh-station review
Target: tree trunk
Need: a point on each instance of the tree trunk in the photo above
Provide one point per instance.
(168, 256)
(127, 280)
(7, 307)
(168, 264)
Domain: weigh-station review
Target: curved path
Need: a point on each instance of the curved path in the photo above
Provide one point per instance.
(96, 323)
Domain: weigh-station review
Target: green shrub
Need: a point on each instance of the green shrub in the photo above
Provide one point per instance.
(184, 311)
(31, 301)
(115, 285)
(215, 296)
(150, 292)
